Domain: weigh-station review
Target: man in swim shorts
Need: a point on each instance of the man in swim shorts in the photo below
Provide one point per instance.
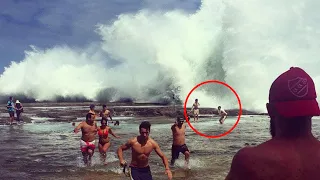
(87, 141)
(223, 115)
(105, 114)
(195, 109)
(293, 152)
(179, 145)
(141, 147)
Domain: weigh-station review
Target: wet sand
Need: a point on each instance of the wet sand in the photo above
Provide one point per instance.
(48, 149)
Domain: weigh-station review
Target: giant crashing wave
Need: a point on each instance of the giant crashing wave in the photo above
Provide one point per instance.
(149, 56)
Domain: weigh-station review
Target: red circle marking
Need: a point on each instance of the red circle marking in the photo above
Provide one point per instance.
(239, 115)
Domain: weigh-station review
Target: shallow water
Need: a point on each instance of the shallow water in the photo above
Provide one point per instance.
(50, 150)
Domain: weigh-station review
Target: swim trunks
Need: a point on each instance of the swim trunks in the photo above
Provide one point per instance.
(196, 111)
(11, 113)
(140, 173)
(84, 146)
(176, 149)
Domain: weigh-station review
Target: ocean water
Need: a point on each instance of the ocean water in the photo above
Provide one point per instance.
(50, 150)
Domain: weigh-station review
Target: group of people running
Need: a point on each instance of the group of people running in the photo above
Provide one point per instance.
(195, 110)
(14, 107)
(293, 152)
(89, 130)
(141, 145)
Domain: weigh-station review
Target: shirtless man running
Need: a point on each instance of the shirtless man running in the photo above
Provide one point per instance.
(105, 114)
(179, 142)
(141, 147)
(293, 152)
(195, 109)
(87, 141)
(223, 115)
(92, 111)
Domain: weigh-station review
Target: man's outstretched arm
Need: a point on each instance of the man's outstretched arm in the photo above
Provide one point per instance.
(164, 159)
(122, 148)
(76, 130)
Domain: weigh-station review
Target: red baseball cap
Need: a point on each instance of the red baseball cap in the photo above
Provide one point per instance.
(293, 94)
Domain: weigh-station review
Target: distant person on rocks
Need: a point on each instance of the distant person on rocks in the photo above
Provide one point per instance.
(105, 114)
(195, 109)
(11, 108)
(293, 152)
(223, 115)
(19, 110)
(179, 141)
(87, 141)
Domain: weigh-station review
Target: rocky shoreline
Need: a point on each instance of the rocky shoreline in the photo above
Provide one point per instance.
(68, 112)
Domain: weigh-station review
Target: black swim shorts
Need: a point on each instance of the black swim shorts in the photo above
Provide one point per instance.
(140, 173)
(176, 149)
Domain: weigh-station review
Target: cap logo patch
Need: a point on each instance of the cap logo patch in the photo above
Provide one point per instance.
(298, 87)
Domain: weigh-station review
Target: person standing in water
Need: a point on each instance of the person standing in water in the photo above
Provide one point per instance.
(195, 109)
(223, 115)
(92, 110)
(19, 110)
(11, 108)
(104, 139)
(179, 142)
(87, 141)
(293, 152)
(105, 113)
(141, 147)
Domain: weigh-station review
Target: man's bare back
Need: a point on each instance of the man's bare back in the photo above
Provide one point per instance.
(293, 153)
(278, 160)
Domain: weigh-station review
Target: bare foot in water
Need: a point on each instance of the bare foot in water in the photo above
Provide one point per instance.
(187, 165)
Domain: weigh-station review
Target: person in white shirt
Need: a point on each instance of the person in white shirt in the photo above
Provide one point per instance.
(223, 114)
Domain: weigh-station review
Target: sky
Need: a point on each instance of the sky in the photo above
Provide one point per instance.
(46, 23)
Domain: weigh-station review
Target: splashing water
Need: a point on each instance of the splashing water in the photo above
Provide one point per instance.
(246, 44)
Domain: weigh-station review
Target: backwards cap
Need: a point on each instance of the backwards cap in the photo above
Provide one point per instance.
(293, 94)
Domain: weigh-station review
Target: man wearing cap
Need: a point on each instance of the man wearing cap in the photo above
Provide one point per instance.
(179, 141)
(293, 152)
